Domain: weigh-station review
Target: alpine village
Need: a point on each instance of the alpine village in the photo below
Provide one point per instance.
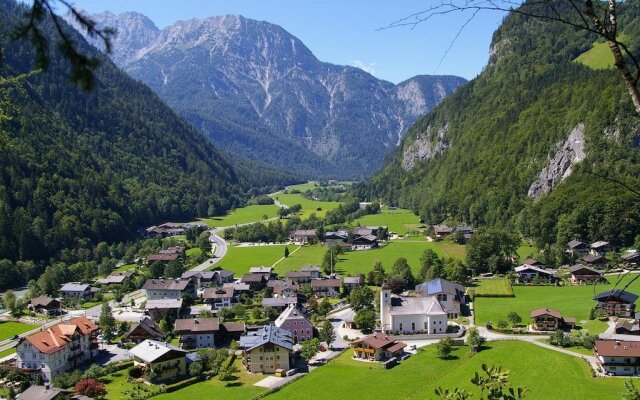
(192, 205)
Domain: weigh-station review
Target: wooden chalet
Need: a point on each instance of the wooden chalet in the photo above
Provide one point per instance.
(617, 303)
(582, 274)
(546, 319)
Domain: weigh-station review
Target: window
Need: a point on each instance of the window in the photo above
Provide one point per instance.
(400, 325)
(425, 325)
(413, 326)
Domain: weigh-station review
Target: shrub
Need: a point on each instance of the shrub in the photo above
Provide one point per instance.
(134, 372)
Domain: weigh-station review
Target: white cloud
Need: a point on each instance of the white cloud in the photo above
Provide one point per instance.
(367, 67)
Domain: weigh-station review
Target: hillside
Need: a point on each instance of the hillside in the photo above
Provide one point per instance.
(515, 146)
(258, 91)
(77, 168)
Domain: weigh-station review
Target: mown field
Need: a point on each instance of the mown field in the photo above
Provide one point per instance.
(571, 301)
(309, 207)
(546, 373)
(10, 328)
(243, 215)
(305, 255)
(399, 221)
(493, 287)
(240, 259)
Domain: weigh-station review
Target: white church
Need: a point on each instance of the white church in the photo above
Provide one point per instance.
(410, 315)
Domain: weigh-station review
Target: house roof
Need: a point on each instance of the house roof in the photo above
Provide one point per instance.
(205, 275)
(42, 301)
(628, 325)
(631, 256)
(162, 257)
(304, 232)
(233, 326)
(405, 305)
(54, 338)
(278, 301)
(239, 286)
(218, 293)
(333, 282)
(545, 311)
(74, 287)
(617, 348)
(151, 350)
(593, 259)
(148, 325)
(267, 334)
(310, 268)
(585, 270)
(442, 229)
(539, 270)
(336, 235)
(40, 393)
(253, 277)
(197, 325)
(289, 314)
(298, 274)
(598, 244)
(440, 285)
(166, 284)
(381, 341)
(617, 294)
(365, 239)
(260, 270)
(531, 261)
(353, 280)
(163, 304)
(575, 244)
(115, 278)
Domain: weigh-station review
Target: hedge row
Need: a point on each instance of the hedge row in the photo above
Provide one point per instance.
(179, 385)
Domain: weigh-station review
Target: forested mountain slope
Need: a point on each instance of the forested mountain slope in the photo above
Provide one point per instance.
(519, 145)
(81, 167)
(258, 91)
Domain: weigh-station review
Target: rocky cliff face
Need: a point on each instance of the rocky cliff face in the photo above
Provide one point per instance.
(560, 167)
(256, 90)
(426, 146)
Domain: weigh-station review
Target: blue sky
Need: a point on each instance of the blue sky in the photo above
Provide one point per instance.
(347, 31)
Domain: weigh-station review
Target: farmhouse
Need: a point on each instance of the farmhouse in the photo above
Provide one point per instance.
(283, 288)
(617, 302)
(45, 305)
(352, 282)
(167, 255)
(600, 247)
(255, 281)
(219, 297)
(115, 278)
(450, 295)
(76, 290)
(313, 270)
(197, 333)
(591, 259)
(299, 277)
(165, 361)
(377, 347)
(279, 303)
(304, 236)
(326, 287)
(577, 246)
(616, 357)
(546, 319)
(62, 347)
(409, 315)
(267, 350)
(581, 274)
(165, 230)
(294, 321)
(442, 230)
(366, 242)
(531, 273)
(143, 330)
(169, 288)
(338, 237)
(631, 258)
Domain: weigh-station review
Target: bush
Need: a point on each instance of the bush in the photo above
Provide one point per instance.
(184, 383)
(134, 372)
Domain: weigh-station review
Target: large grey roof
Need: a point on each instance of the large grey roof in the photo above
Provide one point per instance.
(74, 287)
(40, 393)
(151, 350)
(267, 334)
(404, 305)
(163, 304)
(440, 285)
(289, 314)
(166, 284)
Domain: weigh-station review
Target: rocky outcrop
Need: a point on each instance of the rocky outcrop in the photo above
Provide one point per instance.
(426, 146)
(560, 167)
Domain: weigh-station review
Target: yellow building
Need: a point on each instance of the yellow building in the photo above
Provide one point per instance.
(267, 350)
(166, 362)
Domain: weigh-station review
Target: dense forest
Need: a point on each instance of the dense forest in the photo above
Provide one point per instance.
(80, 167)
(484, 146)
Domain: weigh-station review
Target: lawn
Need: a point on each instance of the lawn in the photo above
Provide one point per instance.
(305, 255)
(308, 206)
(495, 287)
(240, 388)
(399, 221)
(125, 267)
(525, 252)
(116, 384)
(240, 259)
(10, 328)
(547, 374)
(571, 301)
(597, 57)
(254, 213)
(7, 352)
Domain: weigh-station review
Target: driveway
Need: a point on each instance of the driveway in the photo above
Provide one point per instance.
(111, 353)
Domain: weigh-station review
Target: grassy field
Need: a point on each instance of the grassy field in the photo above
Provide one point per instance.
(10, 328)
(547, 374)
(308, 206)
(597, 57)
(398, 221)
(243, 216)
(305, 255)
(239, 388)
(7, 352)
(571, 301)
(240, 259)
(525, 252)
(488, 287)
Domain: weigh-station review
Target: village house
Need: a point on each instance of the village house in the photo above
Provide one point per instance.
(299, 277)
(303, 236)
(326, 287)
(377, 347)
(115, 278)
(534, 262)
(279, 303)
(255, 281)
(591, 259)
(442, 230)
(157, 308)
(352, 282)
(616, 357)
(532, 273)
(219, 297)
(628, 327)
(45, 305)
(409, 315)
(364, 231)
(57, 349)
(165, 230)
(293, 320)
(465, 231)
(267, 272)
(76, 290)
(336, 237)
(238, 287)
(577, 246)
(169, 289)
(44, 392)
(450, 295)
(266, 350)
(631, 258)
(581, 274)
(197, 333)
(600, 247)
(313, 270)
(164, 360)
(546, 319)
(617, 303)
(283, 288)
(205, 279)
(143, 330)
(366, 242)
